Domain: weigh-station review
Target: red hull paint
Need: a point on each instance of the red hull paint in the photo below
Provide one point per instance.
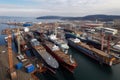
(64, 64)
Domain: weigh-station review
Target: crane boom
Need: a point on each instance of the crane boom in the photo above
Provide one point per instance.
(10, 56)
(10, 51)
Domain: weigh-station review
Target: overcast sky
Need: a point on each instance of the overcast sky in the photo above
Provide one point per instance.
(36, 8)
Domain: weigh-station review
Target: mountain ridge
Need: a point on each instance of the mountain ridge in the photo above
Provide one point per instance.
(100, 17)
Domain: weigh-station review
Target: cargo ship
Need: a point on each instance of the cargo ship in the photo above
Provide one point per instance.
(84, 38)
(41, 53)
(95, 40)
(64, 59)
(93, 53)
(52, 37)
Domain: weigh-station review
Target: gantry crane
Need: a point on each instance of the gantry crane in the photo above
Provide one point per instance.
(10, 57)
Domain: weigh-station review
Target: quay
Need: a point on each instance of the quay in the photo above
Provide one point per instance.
(21, 74)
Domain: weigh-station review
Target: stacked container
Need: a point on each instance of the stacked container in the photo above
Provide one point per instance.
(30, 68)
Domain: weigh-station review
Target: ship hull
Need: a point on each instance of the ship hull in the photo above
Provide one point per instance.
(90, 42)
(43, 60)
(87, 52)
(95, 44)
(61, 61)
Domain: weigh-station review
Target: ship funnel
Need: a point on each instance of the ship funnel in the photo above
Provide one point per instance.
(71, 60)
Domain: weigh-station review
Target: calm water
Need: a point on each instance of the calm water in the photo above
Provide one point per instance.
(87, 69)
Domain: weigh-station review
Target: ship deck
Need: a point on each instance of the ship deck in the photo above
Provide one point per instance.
(60, 54)
(46, 56)
(63, 56)
(21, 74)
(93, 49)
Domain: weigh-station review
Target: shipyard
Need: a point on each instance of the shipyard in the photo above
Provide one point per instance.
(31, 49)
(59, 40)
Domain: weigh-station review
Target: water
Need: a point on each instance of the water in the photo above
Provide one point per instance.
(87, 69)
(24, 19)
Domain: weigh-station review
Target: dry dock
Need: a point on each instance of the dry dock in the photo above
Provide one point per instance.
(21, 74)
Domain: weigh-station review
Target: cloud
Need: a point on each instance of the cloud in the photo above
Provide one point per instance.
(23, 10)
(61, 7)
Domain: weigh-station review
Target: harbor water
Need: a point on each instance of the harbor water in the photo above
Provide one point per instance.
(87, 68)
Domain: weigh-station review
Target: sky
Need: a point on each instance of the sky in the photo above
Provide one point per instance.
(35, 8)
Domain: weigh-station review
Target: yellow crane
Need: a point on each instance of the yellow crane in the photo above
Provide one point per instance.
(10, 56)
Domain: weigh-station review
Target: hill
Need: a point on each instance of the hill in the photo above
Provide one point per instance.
(89, 17)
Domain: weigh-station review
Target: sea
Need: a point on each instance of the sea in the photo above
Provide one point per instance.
(87, 69)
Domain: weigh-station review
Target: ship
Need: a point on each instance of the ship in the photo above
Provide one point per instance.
(41, 53)
(86, 39)
(59, 42)
(96, 40)
(64, 59)
(81, 36)
(52, 37)
(94, 53)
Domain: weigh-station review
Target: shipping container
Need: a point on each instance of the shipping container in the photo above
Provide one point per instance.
(30, 68)
(19, 65)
